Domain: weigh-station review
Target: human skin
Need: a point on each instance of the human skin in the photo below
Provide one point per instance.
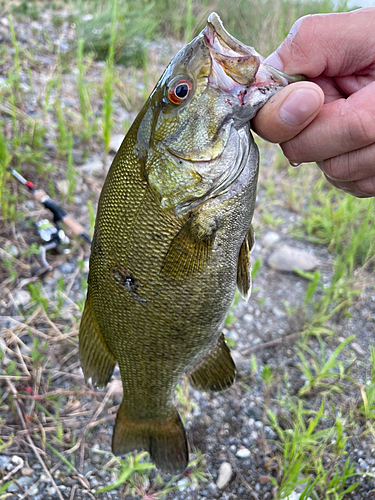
(329, 119)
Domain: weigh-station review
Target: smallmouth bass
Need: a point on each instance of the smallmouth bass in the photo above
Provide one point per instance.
(172, 240)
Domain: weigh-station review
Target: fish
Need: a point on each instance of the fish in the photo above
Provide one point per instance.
(172, 240)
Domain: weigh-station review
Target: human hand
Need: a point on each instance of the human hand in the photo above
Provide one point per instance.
(331, 118)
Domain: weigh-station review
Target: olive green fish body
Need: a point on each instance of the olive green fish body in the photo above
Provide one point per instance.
(172, 241)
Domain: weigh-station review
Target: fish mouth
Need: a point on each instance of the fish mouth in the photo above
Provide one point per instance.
(238, 69)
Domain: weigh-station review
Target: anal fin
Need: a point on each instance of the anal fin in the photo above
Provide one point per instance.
(216, 372)
(97, 361)
(244, 265)
(165, 440)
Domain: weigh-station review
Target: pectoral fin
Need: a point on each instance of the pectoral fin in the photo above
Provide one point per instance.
(97, 361)
(244, 265)
(216, 372)
(189, 250)
(165, 440)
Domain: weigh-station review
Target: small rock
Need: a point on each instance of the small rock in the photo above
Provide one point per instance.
(248, 318)
(358, 349)
(4, 460)
(77, 155)
(66, 268)
(56, 274)
(278, 313)
(363, 464)
(93, 166)
(51, 491)
(13, 251)
(212, 487)
(243, 453)
(27, 471)
(115, 142)
(294, 496)
(270, 238)
(24, 482)
(287, 258)
(182, 484)
(63, 186)
(22, 298)
(43, 478)
(225, 475)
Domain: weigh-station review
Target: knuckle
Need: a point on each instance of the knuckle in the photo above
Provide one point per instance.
(292, 151)
(337, 168)
(366, 186)
(301, 37)
(360, 126)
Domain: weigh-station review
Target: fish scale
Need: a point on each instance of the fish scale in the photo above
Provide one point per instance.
(172, 241)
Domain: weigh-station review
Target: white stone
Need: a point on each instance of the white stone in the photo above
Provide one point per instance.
(287, 258)
(115, 142)
(224, 476)
(270, 238)
(63, 186)
(22, 298)
(93, 166)
(243, 453)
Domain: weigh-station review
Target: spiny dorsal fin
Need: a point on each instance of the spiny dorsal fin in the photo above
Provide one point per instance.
(216, 372)
(244, 265)
(187, 253)
(97, 361)
(165, 440)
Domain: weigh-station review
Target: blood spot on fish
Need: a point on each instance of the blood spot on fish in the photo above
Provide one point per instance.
(127, 281)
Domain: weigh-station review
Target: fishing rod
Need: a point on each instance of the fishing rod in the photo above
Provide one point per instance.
(58, 213)
(54, 237)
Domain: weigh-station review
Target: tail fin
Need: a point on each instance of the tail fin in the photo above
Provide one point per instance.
(164, 440)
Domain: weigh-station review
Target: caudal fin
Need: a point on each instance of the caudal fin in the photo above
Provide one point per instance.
(164, 440)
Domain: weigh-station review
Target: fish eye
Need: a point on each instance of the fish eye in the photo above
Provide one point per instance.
(179, 91)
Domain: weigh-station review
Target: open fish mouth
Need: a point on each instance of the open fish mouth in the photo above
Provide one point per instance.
(238, 68)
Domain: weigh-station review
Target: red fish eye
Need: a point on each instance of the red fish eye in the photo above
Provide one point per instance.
(179, 91)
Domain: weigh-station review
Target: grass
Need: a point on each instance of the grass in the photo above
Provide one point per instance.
(77, 104)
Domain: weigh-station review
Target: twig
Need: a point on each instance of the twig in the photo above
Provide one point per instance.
(30, 441)
(241, 478)
(272, 343)
(63, 393)
(73, 492)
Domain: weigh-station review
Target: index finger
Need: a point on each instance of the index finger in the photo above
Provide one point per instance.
(329, 44)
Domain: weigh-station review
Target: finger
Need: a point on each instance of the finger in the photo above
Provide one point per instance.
(353, 166)
(360, 189)
(340, 127)
(330, 44)
(288, 112)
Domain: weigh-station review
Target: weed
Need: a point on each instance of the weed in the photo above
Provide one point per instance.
(14, 74)
(305, 449)
(89, 126)
(128, 467)
(6, 197)
(108, 77)
(186, 406)
(367, 407)
(70, 171)
(92, 215)
(323, 370)
(62, 132)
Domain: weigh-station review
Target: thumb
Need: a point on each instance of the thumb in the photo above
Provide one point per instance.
(288, 112)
